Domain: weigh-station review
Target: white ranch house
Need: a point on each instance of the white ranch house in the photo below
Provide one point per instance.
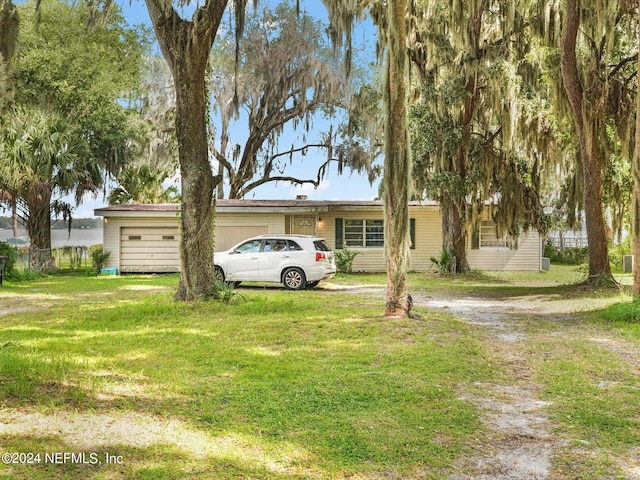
(145, 238)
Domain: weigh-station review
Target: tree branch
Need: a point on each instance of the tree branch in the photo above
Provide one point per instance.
(296, 150)
(622, 63)
(262, 181)
(224, 163)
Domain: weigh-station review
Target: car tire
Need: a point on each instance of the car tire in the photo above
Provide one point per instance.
(313, 284)
(218, 274)
(293, 279)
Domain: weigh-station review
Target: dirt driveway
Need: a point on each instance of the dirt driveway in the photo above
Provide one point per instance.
(523, 443)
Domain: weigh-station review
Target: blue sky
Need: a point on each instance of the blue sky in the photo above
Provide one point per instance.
(345, 187)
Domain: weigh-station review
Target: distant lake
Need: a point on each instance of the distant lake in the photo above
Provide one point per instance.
(59, 238)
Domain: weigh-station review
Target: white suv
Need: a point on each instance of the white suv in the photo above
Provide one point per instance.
(296, 261)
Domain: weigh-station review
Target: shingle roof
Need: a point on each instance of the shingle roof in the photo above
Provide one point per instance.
(257, 204)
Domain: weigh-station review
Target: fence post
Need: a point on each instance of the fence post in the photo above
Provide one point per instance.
(3, 260)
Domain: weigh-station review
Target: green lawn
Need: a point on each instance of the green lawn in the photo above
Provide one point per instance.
(311, 384)
(277, 384)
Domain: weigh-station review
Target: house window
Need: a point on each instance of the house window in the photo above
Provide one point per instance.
(135, 237)
(168, 237)
(488, 237)
(363, 233)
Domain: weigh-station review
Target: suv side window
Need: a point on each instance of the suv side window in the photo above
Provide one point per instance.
(321, 246)
(251, 246)
(294, 245)
(274, 245)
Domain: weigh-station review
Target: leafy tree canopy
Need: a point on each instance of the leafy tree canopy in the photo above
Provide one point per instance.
(89, 76)
(286, 77)
(73, 120)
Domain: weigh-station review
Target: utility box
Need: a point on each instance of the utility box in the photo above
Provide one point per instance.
(546, 264)
(627, 262)
(3, 261)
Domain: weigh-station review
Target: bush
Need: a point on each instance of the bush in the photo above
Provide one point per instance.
(98, 257)
(25, 275)
(344, 259)
(224, 291)
(446, 263)
(8, 251)
(617, 252)
(568, 256)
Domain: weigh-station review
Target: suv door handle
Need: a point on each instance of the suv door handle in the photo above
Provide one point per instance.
(286, 256)
(254, 258)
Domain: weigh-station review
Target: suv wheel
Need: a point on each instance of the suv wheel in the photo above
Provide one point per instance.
(218, 274)
(313, 284)
(293, 279)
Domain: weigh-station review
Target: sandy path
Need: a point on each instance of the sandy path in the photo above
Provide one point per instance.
(521, 444)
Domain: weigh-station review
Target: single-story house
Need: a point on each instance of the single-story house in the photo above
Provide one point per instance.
(145, 238)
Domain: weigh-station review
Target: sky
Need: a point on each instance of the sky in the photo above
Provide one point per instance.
(345, 187)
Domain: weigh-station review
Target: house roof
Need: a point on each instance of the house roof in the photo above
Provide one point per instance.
(276, 206)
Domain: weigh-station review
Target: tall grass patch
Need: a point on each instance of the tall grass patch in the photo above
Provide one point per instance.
(593, 393)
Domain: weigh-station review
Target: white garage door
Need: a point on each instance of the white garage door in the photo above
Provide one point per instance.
(149, 249)
(227, 237)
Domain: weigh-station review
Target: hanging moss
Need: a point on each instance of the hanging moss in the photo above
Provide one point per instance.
(481, 130)
(287, 75)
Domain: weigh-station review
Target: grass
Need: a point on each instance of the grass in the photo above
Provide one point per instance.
(280, 385)
(308, 384)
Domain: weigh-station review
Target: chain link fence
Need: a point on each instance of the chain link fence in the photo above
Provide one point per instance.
(47, 259)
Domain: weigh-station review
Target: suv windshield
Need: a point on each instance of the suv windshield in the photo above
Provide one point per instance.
(321, 246)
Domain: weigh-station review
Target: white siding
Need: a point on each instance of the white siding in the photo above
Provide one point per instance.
(233, 227)
(227, 236)
(527, 257)
(428, 236)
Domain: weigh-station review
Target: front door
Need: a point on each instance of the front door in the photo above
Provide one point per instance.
(304, 225)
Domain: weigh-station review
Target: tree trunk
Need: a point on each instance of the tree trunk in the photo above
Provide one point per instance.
(186, 47)
(454, 223)
(39, 227)
(197, 211)
(454, 235)
(636, 199)
(599, 268)
(14, 217)
(9, 24)
(397, 163)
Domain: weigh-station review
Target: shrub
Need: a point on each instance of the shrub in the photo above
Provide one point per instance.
(98, 257)
(446, 263)
(344, 259)
(568, 256)
(224, 291)
(25, 275)
(8, 251)
(618, 251)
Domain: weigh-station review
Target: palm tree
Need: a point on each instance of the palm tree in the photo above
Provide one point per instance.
(143, 184)
(37, 163)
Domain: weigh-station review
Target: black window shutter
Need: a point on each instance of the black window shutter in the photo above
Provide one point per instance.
(412, 232)
(339, 237)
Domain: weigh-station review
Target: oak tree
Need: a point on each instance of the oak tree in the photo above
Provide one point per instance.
(287, 79)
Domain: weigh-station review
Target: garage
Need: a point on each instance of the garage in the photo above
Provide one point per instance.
(229, 236)
(149, 249)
